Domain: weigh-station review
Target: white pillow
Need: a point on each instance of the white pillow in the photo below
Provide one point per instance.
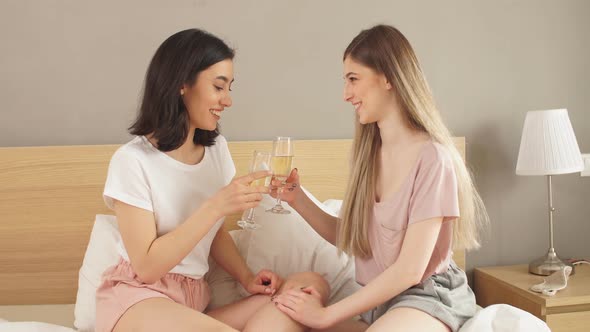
(287, 244)
(101, 253)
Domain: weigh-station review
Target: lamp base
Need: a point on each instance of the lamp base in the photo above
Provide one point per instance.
(548, 264)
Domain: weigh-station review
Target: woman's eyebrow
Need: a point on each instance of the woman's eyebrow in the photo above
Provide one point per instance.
(223, 78)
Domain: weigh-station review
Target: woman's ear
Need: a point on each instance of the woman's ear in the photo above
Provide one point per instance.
(183, 89)
(386, 83)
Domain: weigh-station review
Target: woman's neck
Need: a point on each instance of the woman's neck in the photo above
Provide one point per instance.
(187, 152)
(395, 129)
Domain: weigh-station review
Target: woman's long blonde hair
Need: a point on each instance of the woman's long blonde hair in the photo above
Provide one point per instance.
(385, 49)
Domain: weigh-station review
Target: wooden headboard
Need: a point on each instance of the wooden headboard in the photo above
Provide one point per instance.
(50, 195)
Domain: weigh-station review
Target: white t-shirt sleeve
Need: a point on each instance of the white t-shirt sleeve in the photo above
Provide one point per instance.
(126, 182)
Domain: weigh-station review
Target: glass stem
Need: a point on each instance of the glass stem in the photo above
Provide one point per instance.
(250, 216)
(279, 196)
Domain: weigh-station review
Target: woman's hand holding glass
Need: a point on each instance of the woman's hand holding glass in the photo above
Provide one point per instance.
(291, 188)
(260, 162)
(239, 195)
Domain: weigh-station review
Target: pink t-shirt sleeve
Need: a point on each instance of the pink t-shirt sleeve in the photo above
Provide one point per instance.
(435, 191)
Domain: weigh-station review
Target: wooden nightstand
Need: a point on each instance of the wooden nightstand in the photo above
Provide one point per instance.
(568, 310)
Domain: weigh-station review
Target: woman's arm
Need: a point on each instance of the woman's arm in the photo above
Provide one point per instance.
(226, 254)
(407, 271)
(323, 223)
(152, 256)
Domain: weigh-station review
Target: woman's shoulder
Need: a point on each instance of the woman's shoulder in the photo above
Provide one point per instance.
(435, 153)
(220, 145)
(137, 148)
(221, 140)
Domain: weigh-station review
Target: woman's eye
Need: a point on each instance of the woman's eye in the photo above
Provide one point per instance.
(352, 79)
(218, 88)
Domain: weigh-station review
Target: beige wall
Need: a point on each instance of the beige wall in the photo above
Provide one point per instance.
(71, 73)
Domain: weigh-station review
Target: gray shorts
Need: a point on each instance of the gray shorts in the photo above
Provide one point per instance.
(445, 296)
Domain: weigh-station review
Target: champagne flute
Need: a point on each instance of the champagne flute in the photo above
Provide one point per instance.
(260, 162)
(280, 165)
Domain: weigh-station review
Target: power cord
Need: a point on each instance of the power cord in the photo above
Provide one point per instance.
(578, 261)
(581, 262)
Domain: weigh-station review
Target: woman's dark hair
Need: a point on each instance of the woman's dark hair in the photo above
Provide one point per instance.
(177, 61)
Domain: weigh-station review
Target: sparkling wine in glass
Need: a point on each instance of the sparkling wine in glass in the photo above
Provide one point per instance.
(280, 165)
(260, 162)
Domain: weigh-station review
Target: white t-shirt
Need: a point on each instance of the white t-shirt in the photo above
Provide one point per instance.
(142, 176)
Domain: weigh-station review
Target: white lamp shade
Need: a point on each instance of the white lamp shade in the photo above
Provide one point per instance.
(548, 145)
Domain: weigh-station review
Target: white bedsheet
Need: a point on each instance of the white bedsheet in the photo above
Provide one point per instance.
(32, 327)
(57, 314)
(495, 318)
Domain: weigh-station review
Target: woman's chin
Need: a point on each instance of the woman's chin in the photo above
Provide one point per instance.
(208, 128)
(365, 120)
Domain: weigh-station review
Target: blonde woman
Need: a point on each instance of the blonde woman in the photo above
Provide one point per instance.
(410, 200)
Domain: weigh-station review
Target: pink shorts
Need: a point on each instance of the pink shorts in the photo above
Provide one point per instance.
(120, 289)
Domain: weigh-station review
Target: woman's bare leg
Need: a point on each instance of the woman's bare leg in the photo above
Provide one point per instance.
(350, 325)
(161, 314)
(238, 313)
(407, 319)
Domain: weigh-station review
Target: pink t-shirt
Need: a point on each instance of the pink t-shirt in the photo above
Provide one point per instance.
(429, 191)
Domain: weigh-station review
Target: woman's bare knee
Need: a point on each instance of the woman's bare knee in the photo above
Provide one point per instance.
(271, 319)
(307, 279)
(238, 313)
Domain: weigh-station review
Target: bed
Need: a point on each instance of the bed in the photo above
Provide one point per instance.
(50, 195)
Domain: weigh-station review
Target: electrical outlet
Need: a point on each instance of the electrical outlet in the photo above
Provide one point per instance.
(586, 160)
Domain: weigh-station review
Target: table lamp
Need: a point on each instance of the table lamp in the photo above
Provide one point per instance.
(548, 147)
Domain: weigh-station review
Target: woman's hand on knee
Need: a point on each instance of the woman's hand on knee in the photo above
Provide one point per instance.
(305, 306)
(303, 280)
(264, 282)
